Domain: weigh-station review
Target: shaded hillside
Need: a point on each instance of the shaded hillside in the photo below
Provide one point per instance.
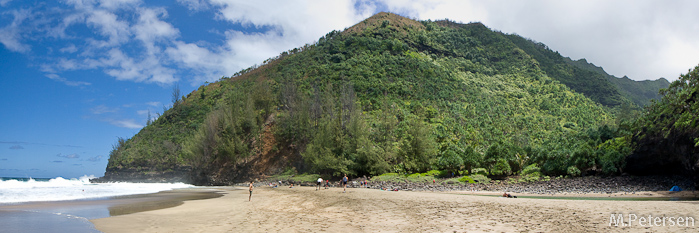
(640, 92)
(589, 79)
(666, 138)
(592, 84)
(389, 94)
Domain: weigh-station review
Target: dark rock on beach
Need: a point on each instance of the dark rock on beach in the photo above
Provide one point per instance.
(577, 185)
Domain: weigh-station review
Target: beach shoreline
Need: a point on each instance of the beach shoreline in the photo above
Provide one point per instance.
(74, 215)
(371, 210)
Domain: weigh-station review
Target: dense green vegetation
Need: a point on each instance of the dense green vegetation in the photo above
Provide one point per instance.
(393, 95)
(666, 137)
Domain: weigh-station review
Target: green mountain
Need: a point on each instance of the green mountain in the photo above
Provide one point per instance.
(640, 92)
(591, 80)
(390, 94)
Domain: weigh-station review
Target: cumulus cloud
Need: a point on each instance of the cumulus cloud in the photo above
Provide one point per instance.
(11, 35)
(289, 25)
(131, 40)
(111, 31)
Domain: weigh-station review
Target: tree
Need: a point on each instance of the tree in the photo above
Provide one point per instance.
(451, 158)
(418, 147)
(176, 94)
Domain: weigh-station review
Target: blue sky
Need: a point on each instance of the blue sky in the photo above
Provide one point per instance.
(78, 74)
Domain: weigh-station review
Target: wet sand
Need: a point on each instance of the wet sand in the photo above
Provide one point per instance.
(74, 216)
(302, 209)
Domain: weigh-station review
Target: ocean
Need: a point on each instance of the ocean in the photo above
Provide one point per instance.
(17, 190)
(67, 205)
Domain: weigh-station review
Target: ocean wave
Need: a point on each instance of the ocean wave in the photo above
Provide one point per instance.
(61, 189)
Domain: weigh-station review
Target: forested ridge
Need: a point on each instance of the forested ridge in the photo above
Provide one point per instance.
(394, 95)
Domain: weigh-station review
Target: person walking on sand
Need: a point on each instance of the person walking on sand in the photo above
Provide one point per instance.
(344, 183)
(250, 197)
(319, 182)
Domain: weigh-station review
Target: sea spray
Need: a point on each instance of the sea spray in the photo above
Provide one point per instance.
(15, 190)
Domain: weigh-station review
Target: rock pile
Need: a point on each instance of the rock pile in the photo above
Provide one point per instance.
(578, 185)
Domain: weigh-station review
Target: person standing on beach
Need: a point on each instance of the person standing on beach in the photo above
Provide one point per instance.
(319, 182)
(344, 183)
(250, 197)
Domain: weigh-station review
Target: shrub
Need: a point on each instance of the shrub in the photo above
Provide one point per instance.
(533, 168)
(501, 168)
(573, 171)
(531, 177)
(478, 178)
(466, 179)
(530, 173)
(546, 178)
(420, 177)
(434, 173)
(395, 177)
(479, 171)
(445, 173)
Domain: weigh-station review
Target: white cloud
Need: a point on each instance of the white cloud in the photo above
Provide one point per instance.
(125, 123)
(195, 5)
(154, 104)
(95, 158)
(291, 25)
(11, 35)
(150, 28)
(3, 3)
(117, 4)
(133, 41)
(108, 25)
(111, 33)
(70, 156)
(66, 81)
(642, 39)
(70, 49)
(101, 109)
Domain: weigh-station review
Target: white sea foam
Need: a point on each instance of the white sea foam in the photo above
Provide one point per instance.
(60, 189)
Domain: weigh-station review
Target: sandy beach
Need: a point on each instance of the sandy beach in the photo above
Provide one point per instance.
(303, 209)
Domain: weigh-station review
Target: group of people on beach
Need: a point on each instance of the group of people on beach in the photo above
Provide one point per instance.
(343, 182)
(319, 182)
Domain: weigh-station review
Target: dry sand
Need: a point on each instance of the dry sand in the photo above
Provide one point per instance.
(302, 209)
